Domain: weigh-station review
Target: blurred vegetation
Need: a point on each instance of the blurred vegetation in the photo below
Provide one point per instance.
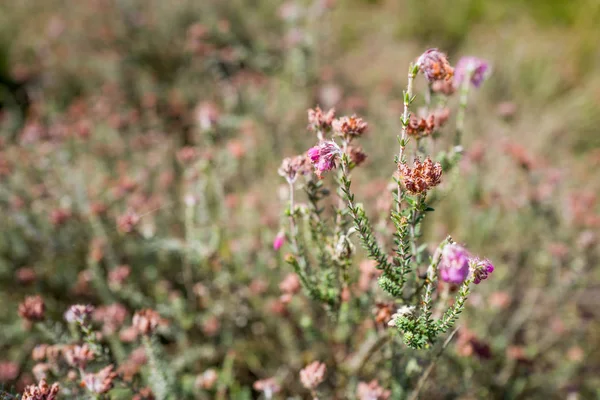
(100, 99)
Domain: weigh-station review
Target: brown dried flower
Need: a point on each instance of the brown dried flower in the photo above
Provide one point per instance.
(318, 120)
(101, 381)
(312, 375)
(349, 127)
(372, 391)
(146, 321)
(420, 127)
(32, 309)
(357, 156)
(41, 391)
(422, 177)
(78, 356)
(435, 66)
(292, 166)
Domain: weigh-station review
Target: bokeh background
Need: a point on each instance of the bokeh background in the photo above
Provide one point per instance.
(139, 147)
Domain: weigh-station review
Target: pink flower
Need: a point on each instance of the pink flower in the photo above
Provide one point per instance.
(471, 67)
(323, 156)
(481, 270)
(279, 240)
(454, 265)
(312, 375)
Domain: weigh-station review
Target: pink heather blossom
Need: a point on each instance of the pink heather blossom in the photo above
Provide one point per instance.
(481, 270)
(323, 156)
(279, 240)
(454, 265)
(474, 67)
(79, 313)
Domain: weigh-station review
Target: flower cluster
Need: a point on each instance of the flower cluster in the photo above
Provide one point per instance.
(420, 127)
(313, 375)
(472, 68)
(78, 356)
(291, 167)
(481, 270)
(146, 321)
(422, 176)
(79, 313)
(349, 127)
(101, 381)
(324, 156)
(435, 66)
(41, 391)
(319, 120)
(454, 264)
(32, 309)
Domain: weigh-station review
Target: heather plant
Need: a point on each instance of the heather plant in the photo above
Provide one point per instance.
(322, 251)
(403, 274)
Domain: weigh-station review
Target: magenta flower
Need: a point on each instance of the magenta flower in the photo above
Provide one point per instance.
(476, 68)
(454, 265)
(481, 270)
(313, 154)
(279, 240)
(323, 156)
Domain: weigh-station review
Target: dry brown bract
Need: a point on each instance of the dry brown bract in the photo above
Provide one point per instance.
(422, 177)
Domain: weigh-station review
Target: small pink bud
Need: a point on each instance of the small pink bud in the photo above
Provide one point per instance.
(279, 240)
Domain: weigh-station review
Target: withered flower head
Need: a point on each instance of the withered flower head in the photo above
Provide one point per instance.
(349, 127)
(435, 66)
(101, 381)
(312, 375)
(78, 356)
(420, 127)
(357, 156)
(422, 177)
(318, 120)
(292, 166)
(41, 391)
(146, 321)
(32, 309)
